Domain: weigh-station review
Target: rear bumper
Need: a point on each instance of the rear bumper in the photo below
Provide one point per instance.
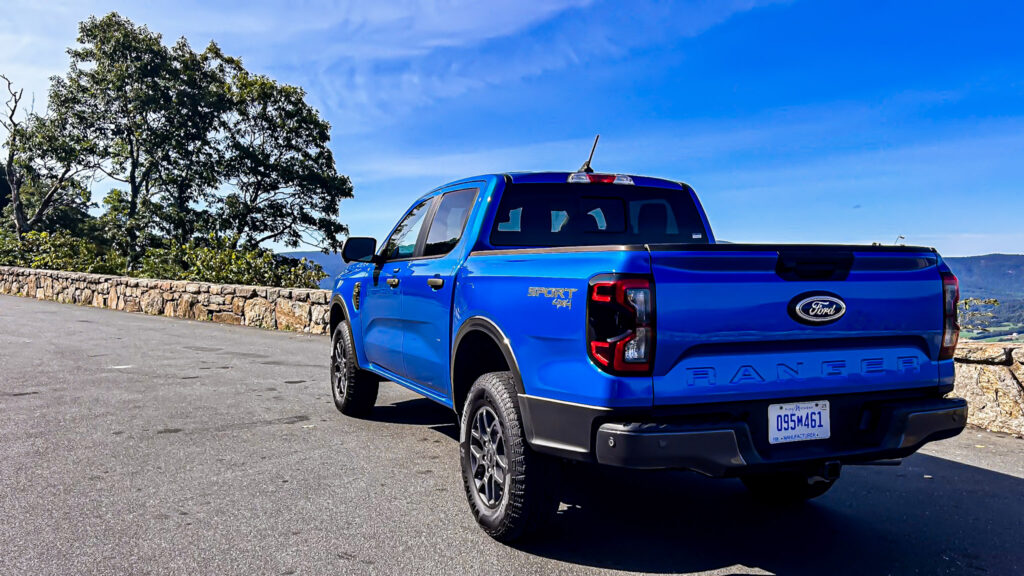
(728, 440)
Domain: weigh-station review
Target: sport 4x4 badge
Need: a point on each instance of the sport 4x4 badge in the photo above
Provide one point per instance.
(560, 297)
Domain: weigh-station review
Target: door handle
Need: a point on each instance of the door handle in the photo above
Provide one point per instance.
(435, 283)
(392, 282)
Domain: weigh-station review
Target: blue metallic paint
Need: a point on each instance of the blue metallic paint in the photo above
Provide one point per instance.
(719, 322)
(549, 341)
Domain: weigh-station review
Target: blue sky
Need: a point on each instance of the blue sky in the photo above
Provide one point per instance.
(794, 121)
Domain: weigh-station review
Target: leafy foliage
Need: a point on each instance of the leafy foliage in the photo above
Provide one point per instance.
(218, 261)
(56, 251)
(192, 165)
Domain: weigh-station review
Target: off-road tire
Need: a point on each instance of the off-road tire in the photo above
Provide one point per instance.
(786, 487)
(357, 393)
(529, 495)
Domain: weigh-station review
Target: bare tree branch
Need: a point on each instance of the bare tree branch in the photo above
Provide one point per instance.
(12, 173)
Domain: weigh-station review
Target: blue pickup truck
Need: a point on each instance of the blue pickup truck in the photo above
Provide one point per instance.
(593, 317)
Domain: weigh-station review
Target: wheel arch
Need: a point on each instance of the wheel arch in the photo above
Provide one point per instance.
(479, 347)
(339, 312)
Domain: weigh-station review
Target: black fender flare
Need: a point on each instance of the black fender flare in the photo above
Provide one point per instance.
(566, 428)
(488, 327)
(337, 300)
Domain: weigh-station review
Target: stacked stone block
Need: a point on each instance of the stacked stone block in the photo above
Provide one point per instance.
(991, 377)
(272, 308)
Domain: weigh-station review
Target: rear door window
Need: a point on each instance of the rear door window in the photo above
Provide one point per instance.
(595, 214)
(449, 221)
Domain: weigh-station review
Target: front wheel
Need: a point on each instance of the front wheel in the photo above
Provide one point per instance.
(510, 488)
(354, 390)
(786, 487)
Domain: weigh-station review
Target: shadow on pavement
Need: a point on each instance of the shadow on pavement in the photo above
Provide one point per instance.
(874, 521)
(419, 412)
(928, 516)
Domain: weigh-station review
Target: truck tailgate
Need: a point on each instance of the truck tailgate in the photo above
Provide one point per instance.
(738, 322)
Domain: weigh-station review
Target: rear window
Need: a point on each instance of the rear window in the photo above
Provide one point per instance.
(595, 214)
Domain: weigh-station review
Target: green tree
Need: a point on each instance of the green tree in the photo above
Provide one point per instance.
(119, 87)
(191, 168)
(286, 186)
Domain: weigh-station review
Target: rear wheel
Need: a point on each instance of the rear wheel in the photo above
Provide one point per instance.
(354, 390)
(510, 488)
(787, 487)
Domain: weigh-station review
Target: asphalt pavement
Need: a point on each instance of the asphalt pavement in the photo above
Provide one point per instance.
(132, 444)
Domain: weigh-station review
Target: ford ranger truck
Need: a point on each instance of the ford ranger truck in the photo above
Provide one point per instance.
(593, 317)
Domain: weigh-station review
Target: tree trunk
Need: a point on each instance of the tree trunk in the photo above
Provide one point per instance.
(18, 213)
(5, 191)
(12, 196)
(240, 227)
(182, 230)
(131, 229)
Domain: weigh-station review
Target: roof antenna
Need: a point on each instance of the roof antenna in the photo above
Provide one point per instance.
(586, 165)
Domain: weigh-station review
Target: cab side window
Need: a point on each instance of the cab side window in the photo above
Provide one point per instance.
(449, 221)
(402, 243)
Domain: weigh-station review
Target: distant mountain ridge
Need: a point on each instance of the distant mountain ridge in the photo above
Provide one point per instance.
(990, 276)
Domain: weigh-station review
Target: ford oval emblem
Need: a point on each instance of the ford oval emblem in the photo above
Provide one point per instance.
(816, 309)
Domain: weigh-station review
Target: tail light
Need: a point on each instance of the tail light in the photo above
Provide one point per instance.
(620, 324)
(950, 327)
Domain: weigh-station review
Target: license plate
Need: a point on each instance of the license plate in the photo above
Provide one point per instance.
(798, 421)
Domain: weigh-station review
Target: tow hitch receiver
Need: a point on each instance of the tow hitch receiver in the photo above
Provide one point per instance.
(829, 472)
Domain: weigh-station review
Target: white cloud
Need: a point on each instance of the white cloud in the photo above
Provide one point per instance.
(307, 36)
(363, 94)
(367, 64)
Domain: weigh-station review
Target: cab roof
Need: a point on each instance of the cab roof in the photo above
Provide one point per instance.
(562, 177)
(553, 178)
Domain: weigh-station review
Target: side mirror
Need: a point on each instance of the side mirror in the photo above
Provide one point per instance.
(359, 249)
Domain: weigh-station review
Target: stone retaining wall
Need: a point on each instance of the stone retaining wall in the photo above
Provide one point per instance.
(989, 376)
(273, 308)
